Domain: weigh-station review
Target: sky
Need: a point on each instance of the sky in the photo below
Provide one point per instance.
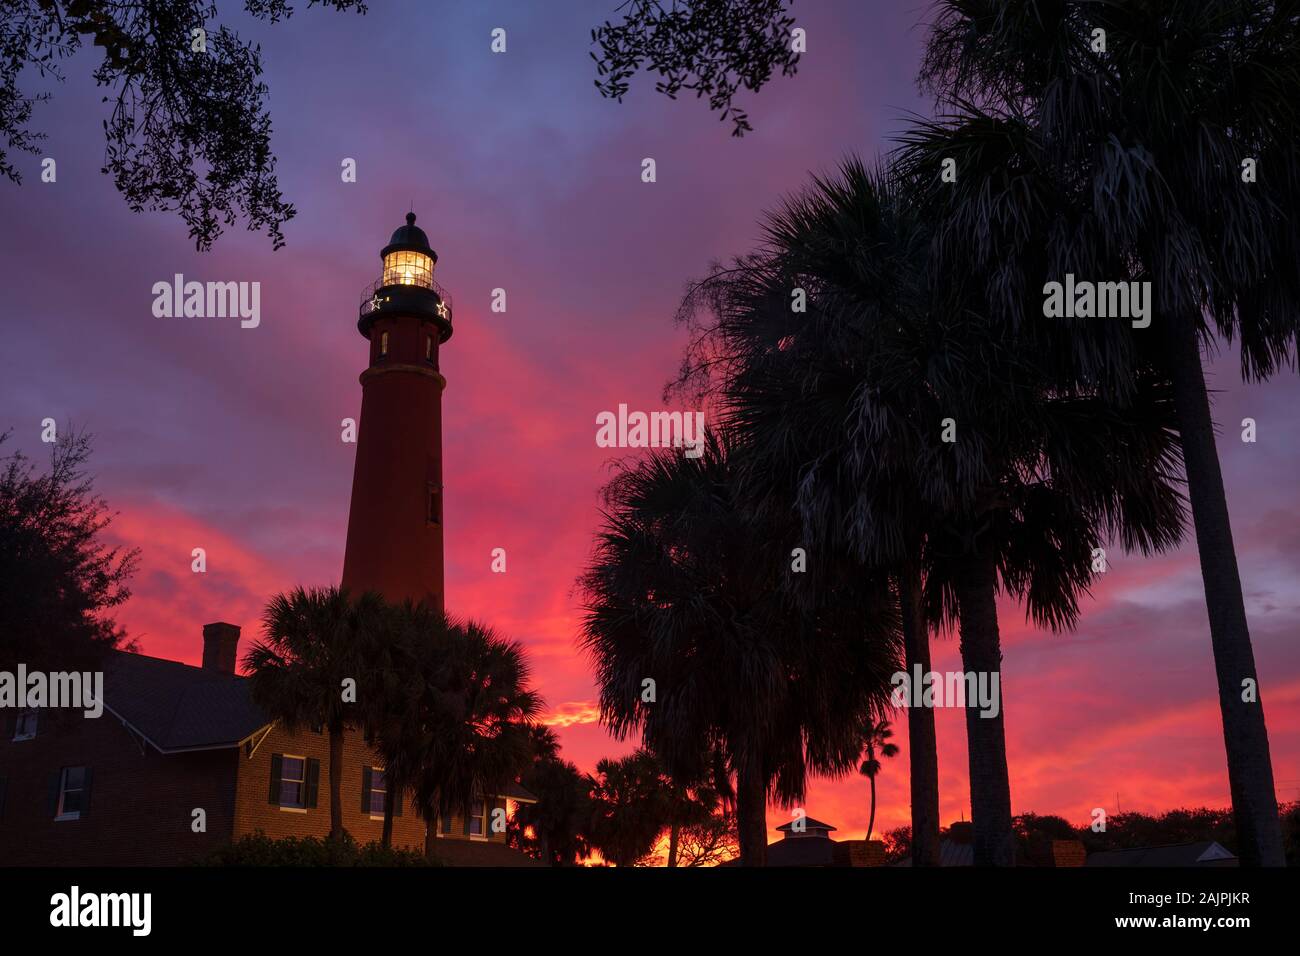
(215, 436)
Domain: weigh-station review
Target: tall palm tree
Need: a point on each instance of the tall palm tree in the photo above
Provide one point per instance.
(876, 744)
(314, 641)
(463, 730)
(697, 643)
(387, 697)
(1161, 149)
(841, 408)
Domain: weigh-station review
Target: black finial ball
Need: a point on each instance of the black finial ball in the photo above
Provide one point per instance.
(410, 219)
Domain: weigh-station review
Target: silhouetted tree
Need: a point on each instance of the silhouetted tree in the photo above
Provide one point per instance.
(188, 130)
(876, 744)
(841, 409)
(554, 828)
(688, 590)
(630, 808)
(59, 579)
(463, 727)
(1146, 142)
(711, 48)
(708, 841)
(314, 640)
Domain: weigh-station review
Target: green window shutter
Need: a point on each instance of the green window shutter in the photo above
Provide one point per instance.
(85, 794)
(52, 792)
(365, 789)
(277, 768)
(466, 824)
(313, 782)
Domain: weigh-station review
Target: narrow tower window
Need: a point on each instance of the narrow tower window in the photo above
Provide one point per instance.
(435, 504)
(383, 344)
(428, 348)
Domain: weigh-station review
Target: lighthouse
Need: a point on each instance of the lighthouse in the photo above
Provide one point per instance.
(394, 543)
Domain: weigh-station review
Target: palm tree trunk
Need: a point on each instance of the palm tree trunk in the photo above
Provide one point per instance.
(751, 811)
(1250, 767)
(981, 654)
(336, 780)
(871, 821)
(922, 749)
(387, 839)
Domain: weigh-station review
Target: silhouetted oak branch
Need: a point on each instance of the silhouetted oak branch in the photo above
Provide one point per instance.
(188, 131)
(710, 47)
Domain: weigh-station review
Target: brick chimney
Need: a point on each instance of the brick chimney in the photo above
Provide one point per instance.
(220, 642)
(1069, 853)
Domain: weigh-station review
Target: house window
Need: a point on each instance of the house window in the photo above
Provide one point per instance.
(477, 818)
(444, 824)
(72, 790)
(378, 788)
(293, 782)
(383, 344)
(435, 505)
(25, 725)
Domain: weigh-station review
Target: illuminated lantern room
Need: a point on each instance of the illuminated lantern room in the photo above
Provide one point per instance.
(407, 287)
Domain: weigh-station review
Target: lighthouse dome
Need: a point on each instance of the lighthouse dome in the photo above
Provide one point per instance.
(410, 238)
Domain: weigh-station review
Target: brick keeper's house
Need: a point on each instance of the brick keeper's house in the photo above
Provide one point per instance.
(122, 789)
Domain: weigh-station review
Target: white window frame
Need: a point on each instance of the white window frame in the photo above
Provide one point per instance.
(374, 790)
(301, 781)
(482, 818)
(62, 815)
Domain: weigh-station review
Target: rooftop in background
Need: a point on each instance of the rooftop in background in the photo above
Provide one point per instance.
(1200, 853)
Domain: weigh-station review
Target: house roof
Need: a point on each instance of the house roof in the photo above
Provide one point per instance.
(178, 707)
(809, 824)
(813, 848)
(518, 793)
(1201, 853)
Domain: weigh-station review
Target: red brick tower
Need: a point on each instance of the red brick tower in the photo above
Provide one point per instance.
(394, 541)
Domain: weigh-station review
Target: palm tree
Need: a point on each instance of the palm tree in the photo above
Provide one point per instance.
(560, 818)
(697, 642)
(1160, 150)
(387, 697)
(315, 642)
(876, 736)
(463, 728)
(630, 807)
(840, 409)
